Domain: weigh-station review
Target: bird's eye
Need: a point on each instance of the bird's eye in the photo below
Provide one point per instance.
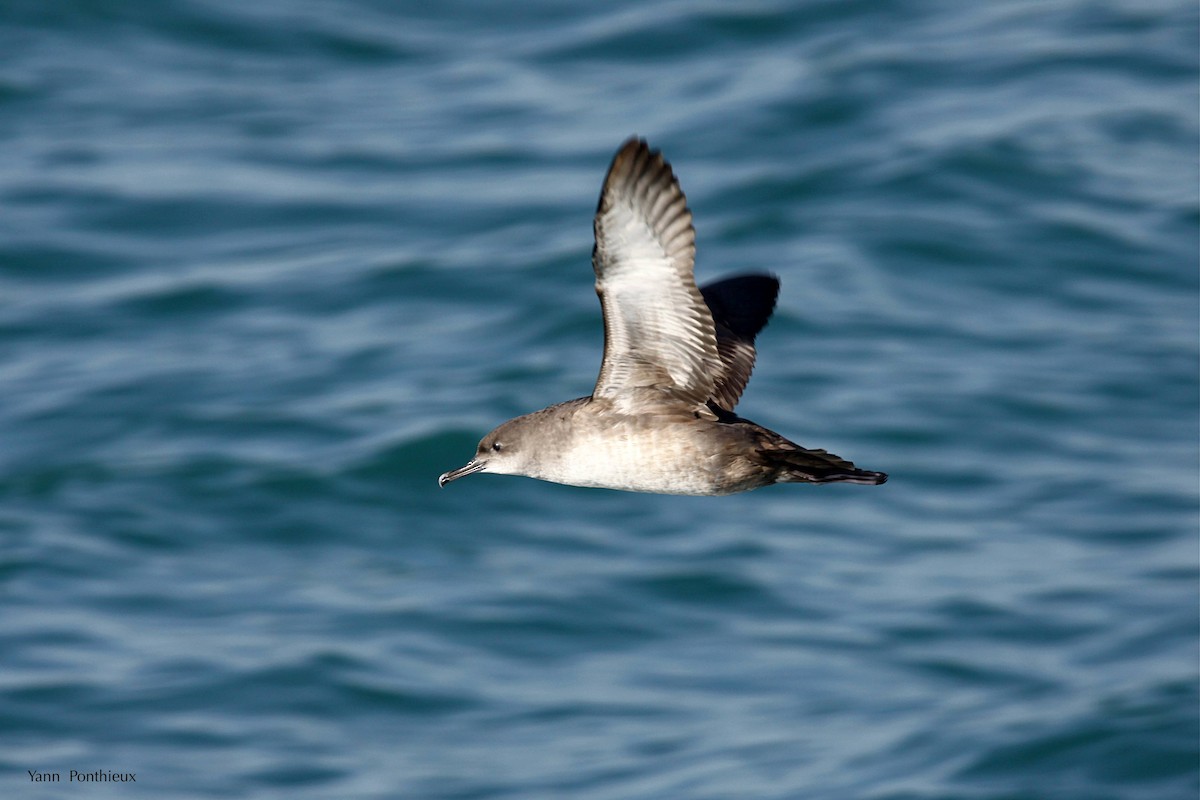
(497, 447)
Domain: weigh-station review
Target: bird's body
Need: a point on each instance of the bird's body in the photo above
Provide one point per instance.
(676, 359)
(587, 443)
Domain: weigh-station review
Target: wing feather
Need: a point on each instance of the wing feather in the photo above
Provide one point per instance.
(660, 345)
(740, 306)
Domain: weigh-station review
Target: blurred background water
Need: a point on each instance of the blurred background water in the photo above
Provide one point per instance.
(267, 269)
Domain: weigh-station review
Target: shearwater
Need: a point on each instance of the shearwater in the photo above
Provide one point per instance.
(676, 359)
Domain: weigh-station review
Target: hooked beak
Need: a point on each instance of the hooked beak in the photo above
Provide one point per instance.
(455, 474)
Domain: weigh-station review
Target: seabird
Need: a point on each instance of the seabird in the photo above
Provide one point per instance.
(676, 359)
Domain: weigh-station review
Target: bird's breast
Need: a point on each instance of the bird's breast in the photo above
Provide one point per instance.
(664, 458)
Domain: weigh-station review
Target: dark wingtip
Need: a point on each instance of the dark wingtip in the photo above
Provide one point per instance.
(634, 142)
(631, 159)
(742, 303)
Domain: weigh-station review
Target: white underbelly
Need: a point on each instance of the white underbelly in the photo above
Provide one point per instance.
(664, 460)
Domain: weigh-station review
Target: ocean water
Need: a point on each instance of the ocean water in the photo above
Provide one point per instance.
(267, 269)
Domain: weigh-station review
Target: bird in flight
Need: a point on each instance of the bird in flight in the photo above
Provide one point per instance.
(676, 360)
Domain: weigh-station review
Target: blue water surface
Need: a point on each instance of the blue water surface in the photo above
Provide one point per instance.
(267, 269)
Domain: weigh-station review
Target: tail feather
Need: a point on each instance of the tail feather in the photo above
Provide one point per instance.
(818, 466)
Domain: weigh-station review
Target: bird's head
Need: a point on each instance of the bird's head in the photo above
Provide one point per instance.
(505, 451)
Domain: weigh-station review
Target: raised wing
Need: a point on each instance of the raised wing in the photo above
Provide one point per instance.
(660, 346)
(740, 308)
